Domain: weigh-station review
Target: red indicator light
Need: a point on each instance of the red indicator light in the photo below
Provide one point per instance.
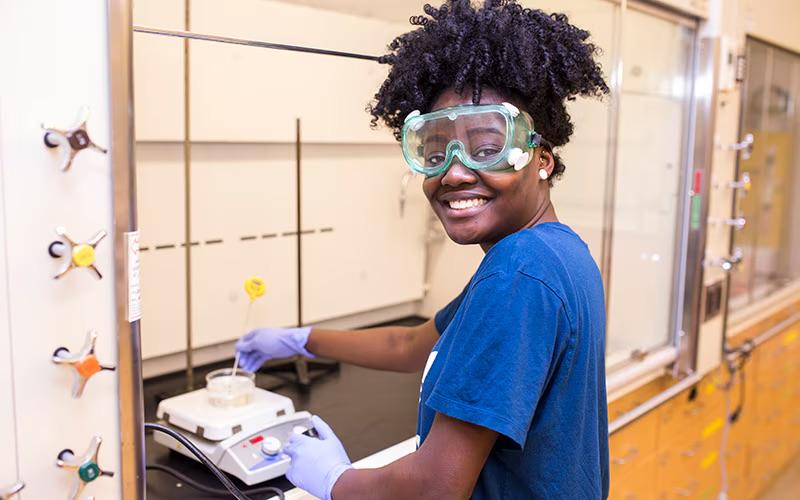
(698, 181)
(256, 439)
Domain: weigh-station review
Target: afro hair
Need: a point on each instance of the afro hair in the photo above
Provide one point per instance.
(539, 59)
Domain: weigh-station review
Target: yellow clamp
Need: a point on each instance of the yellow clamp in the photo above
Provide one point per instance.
(255, 287)
(83, 255)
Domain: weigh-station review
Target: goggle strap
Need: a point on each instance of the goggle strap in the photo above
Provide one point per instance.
(534, 139)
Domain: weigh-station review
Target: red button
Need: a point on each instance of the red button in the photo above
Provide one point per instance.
(698, 181)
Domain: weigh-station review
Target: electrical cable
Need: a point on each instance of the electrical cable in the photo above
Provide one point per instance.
(735, 362)
(236, 492)
(277, 492)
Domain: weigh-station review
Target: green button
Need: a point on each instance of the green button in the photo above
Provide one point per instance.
(88, 472)
(697, 206)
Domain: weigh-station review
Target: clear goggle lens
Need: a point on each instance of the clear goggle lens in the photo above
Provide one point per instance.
(487, 137)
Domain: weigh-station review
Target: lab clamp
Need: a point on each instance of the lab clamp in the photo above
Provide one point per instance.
(80, 254)
(11, 491)
(75, 139)
(85, 466)
(84, 363)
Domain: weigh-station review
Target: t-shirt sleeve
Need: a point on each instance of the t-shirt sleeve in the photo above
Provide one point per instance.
(445, 315)
(510, 335)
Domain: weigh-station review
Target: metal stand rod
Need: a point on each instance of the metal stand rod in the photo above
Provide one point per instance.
(251, 43)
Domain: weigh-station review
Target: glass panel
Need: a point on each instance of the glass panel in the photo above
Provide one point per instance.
(245, 107)
(647, 204)
(752, 122)
(579, 197)
(770, 114)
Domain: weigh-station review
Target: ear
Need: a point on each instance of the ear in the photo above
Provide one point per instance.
(543, 158)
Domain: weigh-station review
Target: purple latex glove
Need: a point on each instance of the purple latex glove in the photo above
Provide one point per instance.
(316, 463)
(264, 344)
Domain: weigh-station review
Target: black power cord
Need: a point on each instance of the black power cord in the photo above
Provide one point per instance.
(737, 366)
(276, 492)
(229, 485)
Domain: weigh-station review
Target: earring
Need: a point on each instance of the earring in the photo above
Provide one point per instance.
(543, 174)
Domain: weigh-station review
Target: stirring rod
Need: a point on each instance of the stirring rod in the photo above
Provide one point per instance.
(235, 364)
(246, 321)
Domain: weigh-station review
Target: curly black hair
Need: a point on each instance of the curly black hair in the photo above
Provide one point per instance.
(537, 58)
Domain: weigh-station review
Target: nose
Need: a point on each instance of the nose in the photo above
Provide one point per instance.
(458, 174)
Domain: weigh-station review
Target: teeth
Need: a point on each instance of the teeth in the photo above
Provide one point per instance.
(462, 204)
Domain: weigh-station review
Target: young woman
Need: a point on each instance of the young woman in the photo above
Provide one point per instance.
(513, 401)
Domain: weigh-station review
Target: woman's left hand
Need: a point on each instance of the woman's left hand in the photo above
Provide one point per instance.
(316, 463)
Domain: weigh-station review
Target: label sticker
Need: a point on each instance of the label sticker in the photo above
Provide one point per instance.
(709, 460)
(713, 427)
(133, 266)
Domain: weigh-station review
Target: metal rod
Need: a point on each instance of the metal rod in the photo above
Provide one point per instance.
(783, 325)
(623, 377)
(298, 183)
(652, 403)
(250, 43)
(123, 178)
(612, 157)
(187, 196)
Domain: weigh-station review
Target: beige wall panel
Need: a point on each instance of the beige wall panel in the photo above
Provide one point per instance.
(373, 257)
(158, 72)
(159, 180)
(163, 285)
(159, 14)
(287, 23)
(238, 190)
(774, 21)
(243, 94)
(159, 192)
(219, 302)
(158, 81)
(247, 94)
(242, 189)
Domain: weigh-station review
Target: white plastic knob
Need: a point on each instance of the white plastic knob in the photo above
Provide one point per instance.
(513, 156)
(271, 446)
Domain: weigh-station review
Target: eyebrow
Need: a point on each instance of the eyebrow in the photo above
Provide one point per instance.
(484, 130)
(436, 137)
(470, 132)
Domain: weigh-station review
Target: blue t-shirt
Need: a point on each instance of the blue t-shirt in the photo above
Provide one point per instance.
(522, 352)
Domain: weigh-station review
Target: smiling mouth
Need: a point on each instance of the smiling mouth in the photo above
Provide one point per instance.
(465, 204)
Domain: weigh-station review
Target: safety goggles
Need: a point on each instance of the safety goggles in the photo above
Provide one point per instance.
(491, 137)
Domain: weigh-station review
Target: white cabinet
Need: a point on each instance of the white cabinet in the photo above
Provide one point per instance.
(374, 256)
(8, 427)
(40, 313)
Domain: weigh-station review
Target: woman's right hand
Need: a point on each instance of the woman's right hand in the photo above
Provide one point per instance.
(263, 344)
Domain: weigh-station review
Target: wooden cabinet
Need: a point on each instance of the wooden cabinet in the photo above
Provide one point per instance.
(631, 446)
(637, 482)
(684, 458)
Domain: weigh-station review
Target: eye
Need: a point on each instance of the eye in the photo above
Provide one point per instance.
(486, 152)
(435, 159)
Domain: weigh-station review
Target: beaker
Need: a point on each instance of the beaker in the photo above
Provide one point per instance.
(228, 390)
